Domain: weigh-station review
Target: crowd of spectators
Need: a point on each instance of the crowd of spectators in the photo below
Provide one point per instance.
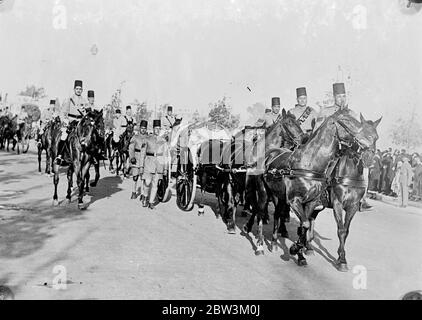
(397, 174)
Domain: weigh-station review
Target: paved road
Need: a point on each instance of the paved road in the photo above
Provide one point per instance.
(118, 250)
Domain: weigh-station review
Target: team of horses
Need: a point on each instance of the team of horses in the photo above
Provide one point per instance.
(281, 164)
(16, 134)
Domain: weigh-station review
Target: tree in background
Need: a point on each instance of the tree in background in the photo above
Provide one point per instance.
(142, 112)
(256, 112)
(34, 92)
(327, 101)
(220, 114)
(407, 133)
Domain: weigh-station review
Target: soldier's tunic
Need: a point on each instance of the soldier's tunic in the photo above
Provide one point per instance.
(22, 116)
(270, 118)
(119, 127)
(167, 122)
(328, 111)
(71, 112)
(154, 164)
(305, 115)
(137, 150)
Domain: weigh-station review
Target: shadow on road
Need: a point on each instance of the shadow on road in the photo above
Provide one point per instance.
(24, 228)
(106, 188)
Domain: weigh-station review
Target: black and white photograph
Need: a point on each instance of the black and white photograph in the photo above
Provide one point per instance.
(228, 152)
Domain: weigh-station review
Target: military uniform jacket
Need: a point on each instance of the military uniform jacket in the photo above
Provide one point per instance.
(167, 122)
(305, 115)
(156, 151)
(328, 111)
(137, 149)
(270, 118)
(74, 106)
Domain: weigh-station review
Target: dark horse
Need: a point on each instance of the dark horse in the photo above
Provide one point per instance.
(79, 155)
(8, 133)
(233, 177)
(23, 134)
(347, 188)
(46, 142)
(120, 150)
(299, 177)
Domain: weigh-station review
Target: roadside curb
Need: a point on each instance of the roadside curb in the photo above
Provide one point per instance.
(391, 200)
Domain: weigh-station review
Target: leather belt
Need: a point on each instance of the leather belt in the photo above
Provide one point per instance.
(74, 116)
(137, 150)
(154, 154)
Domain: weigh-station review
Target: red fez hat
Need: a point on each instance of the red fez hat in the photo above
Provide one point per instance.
(156, 123)
(338, 88)
(301, 92)
(143, 124)
(52, 102)
(78, 83)
(91, 94)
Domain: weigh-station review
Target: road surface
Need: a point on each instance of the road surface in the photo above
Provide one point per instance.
(115, 249)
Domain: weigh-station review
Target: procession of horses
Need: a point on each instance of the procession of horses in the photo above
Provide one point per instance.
(279, 164)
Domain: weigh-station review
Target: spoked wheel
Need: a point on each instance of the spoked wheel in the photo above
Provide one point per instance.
(163, 190)
(185, 182)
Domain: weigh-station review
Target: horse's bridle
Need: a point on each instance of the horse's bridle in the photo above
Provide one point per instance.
(291, 136)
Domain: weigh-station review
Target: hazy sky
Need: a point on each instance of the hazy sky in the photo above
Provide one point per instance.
(192, 52)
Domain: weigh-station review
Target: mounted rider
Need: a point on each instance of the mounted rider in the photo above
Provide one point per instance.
(73, 110)
(153, 165)
(101, 155)
(21, 120)
(271, 117)
(46, 116)
(91, 101)
(129, 116)
(304, 114)
(137, 150)
(168, 120)
(119, 125)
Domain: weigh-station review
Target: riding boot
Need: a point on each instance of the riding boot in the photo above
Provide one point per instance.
(145, 202)
(134, 196)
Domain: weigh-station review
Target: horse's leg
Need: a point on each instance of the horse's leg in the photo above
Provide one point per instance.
(231, 208)
(262, 201)
(70, 171)
(343, 230)
(201, 209)
(56, 182)
(298, 247)
(47, 161)
(39, 158)
(276, 226)
(97, 174)
(83, 171)
(86, 179)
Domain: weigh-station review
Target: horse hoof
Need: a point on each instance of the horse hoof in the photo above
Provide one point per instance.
(232, 231)
(55, 203)
(81, 206)
(274, 246)
(342, 267)
(302, 262)
(245, 229)
(309, 252)
(259, 252)
(294, 249)
(93, 184)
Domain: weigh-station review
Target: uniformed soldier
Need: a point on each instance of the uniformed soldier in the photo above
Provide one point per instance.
(340, 103)
(271, 117)
(22, 117)
(46, 117)
(153, 164)
(137, 149)
(129, 116)
(303, 113)
(73, 110)
(168, 120)
(91, 101)
(119, 125)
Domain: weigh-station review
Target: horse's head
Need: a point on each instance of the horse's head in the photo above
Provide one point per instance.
(351, 131)
(99, 126)
(85, 130)
(291, 131)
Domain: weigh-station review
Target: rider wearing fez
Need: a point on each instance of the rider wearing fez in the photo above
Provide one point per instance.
(101, 155)
(91, 101)
(73, 110)
(271, 117)
(303, 113)
(153, 165)
(137, 156)
(21, 120)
